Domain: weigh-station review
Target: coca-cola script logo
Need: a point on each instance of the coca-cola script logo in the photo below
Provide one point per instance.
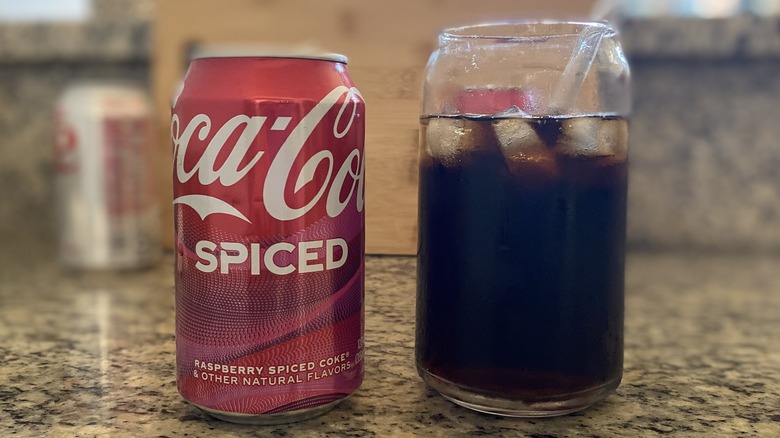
(350, 173)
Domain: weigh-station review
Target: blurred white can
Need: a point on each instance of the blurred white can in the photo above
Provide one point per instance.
(104, 165)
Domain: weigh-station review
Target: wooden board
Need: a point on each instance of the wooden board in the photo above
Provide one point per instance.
(388, 44)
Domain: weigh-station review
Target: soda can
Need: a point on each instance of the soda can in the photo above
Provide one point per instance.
(268, 177)
(104, 173)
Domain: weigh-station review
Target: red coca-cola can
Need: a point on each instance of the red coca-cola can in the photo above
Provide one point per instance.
(268, 178)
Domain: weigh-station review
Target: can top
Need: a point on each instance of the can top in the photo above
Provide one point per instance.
(101, 98)
(105, 86)
(264, 51)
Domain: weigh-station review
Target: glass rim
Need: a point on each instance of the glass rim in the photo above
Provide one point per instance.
(523, 30)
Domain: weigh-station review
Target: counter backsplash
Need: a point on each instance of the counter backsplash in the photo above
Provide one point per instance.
(704, 143)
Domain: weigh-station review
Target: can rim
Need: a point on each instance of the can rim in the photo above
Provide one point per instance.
(239, 51)
(106, 83)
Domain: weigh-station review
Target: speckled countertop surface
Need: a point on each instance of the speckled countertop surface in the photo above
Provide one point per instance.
(92, 355)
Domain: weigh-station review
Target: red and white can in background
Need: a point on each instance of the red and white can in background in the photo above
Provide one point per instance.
(104, 173)
(268, 181)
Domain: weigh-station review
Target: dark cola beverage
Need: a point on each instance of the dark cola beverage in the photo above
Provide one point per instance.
(521, 254)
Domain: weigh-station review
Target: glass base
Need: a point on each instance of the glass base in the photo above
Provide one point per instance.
(562, 404)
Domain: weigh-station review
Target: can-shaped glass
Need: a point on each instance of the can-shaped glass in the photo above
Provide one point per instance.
(522, 217)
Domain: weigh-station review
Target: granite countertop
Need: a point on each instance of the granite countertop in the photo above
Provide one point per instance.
(92, 355)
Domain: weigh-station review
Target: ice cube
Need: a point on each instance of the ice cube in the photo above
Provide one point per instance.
(512, 111)
(516, 137)
(452, 140)
(593, 137)
(526, 155)
(592, 151)
(614, 132)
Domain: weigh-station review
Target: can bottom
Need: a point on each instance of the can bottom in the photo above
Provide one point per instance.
(270, 419)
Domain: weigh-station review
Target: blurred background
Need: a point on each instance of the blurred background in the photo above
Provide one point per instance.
(704, 136)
